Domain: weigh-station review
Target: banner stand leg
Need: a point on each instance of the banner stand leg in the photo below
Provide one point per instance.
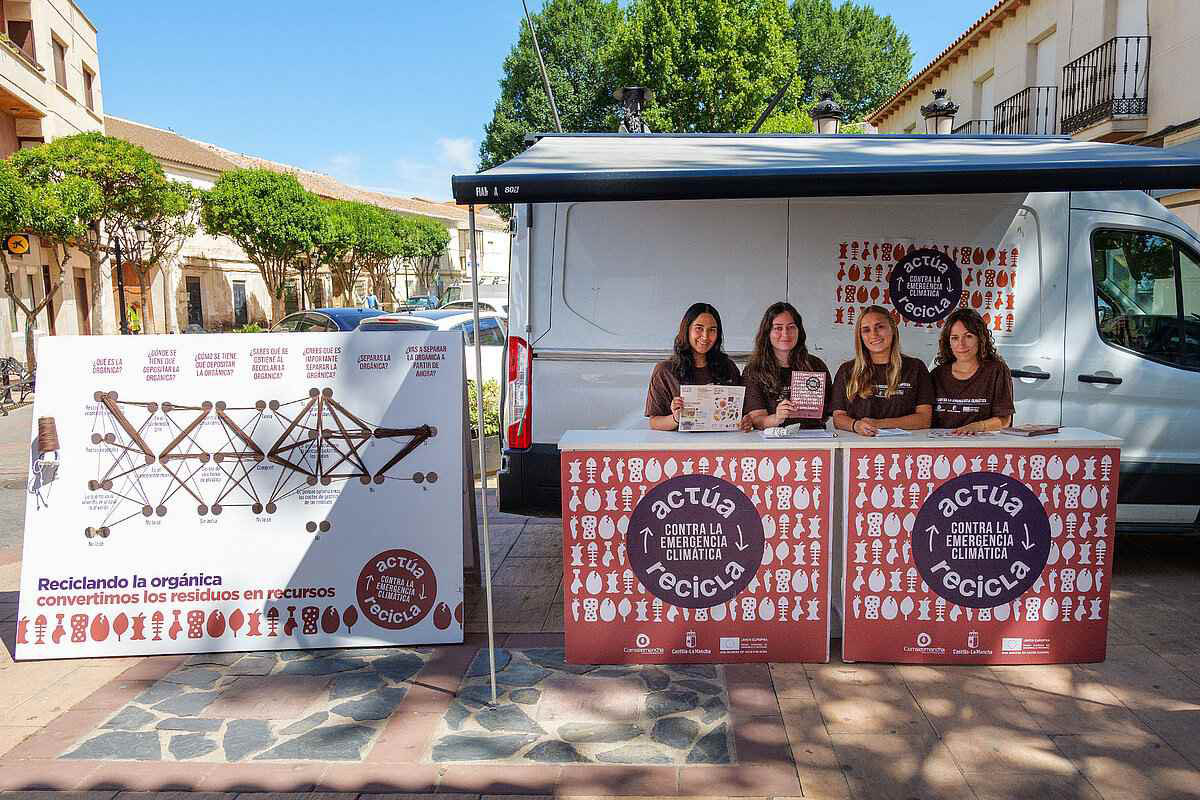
(483, 471)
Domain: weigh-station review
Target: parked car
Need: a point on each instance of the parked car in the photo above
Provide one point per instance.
(416, 304)
(323, 320)
(1100, 333)
(493, 326)
(499, 306)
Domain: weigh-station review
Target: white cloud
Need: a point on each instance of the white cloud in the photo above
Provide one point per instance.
(430, 178)
(458, 153)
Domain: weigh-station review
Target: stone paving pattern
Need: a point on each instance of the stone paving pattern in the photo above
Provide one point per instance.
(1125, 728)
(552, 712)
(320, 705)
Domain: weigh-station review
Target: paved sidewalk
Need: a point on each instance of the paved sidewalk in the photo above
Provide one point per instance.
(415, 720)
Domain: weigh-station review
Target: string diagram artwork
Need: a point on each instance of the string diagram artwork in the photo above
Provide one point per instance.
(154, 457)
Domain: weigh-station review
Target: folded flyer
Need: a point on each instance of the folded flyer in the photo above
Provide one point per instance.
(711, 407)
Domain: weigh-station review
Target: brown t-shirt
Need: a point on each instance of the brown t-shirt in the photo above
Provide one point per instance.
(986, 394)
(915, 389)
(757, 398)
(664, 387)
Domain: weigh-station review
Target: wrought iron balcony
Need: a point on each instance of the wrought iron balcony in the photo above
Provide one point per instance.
(974, 127)
(1110, 81)
(1033, 111)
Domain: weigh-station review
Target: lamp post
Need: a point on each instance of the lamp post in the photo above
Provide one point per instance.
(121, 289)
(939, 114)
(827, 115)
(633, 100)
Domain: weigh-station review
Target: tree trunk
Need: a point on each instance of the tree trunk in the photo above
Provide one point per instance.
(30, 358)
(145, 300)
(101, 290)
(278, 307)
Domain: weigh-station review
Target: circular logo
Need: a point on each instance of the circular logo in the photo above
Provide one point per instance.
(925, 285)
(642, 640)
(924, 639)
(396, 589)
(812, 383)
(17, 244)
(695, 541)
(981, 539)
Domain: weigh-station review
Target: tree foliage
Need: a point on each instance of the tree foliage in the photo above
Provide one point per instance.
(270, 216)
(575, 36)
(123, 175)
(861, 56)
(713, 64)
(330, 247)
(152, 232)
(57, 212)
(423, 244)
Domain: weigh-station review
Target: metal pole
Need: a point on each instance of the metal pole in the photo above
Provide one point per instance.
(487, 539)
(545, 82)
(121, 290)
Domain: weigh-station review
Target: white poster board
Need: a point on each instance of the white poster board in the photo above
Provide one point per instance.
(244, 492)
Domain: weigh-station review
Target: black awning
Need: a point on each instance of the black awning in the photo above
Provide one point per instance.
(604, 167)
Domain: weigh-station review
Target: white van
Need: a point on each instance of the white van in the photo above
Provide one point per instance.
(1093, 295)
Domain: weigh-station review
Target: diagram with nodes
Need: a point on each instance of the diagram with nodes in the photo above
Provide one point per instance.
(236, 492)
(155, 456)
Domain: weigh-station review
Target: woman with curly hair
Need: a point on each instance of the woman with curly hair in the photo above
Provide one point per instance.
(972, 385)
(780, 347)
(697, 359)
(881, 387)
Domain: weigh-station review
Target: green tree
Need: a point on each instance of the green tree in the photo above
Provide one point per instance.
(376, 244)
(575, 36)
(713, 64)
(270, 216)
(59, 212)
(851, 50)
(423, 246)
(122, 172)
(152, 232)
(330, 247)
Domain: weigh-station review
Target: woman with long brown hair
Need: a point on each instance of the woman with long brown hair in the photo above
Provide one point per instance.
(881, 387)
(972, 385)
(780, 348)
(697, 359)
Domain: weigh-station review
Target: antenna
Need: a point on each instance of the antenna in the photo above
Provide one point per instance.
(774, 102)
(537, 48)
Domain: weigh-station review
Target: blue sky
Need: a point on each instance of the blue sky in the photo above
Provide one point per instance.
(390, 95)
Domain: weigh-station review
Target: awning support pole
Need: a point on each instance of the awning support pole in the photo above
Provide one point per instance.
(483, 472)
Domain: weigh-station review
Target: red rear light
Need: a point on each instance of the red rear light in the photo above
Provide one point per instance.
(518, 408)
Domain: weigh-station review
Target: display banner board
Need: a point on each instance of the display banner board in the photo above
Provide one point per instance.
(978, 555)
(244, 492)
(696, 556)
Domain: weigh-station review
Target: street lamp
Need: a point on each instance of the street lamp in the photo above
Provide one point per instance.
(827, 115)
(939, 115)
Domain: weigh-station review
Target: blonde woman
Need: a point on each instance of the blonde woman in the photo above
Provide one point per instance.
(881, 387)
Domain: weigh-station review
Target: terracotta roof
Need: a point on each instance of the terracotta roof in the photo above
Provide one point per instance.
(992, 18)
(167, 145)
(170, 146)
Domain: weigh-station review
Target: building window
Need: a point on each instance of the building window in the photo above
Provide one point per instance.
(60, 62)
(20, 33)
(89, 79)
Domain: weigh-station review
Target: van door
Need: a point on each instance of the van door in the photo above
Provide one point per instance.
(1133, 351)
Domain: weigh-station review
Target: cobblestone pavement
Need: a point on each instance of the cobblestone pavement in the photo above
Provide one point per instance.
(415, 720)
